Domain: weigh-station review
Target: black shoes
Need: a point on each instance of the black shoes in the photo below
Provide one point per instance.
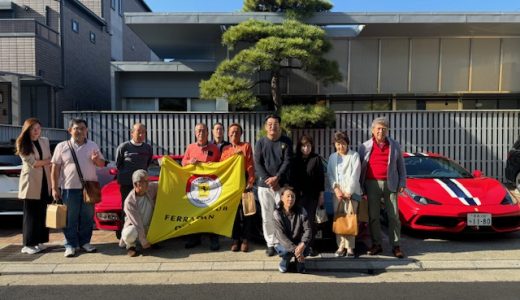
(270, 251)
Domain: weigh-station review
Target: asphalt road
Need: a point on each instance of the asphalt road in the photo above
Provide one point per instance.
(423, 291)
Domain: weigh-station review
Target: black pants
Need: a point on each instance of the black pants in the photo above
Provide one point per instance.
(34, 211)
(310, 203)
(242, 225)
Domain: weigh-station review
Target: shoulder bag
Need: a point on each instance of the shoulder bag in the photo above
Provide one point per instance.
(91, 189)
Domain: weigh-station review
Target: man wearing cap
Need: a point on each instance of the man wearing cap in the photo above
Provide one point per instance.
(139, 206)
(273, 154)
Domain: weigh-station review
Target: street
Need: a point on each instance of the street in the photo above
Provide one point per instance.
(438, 266)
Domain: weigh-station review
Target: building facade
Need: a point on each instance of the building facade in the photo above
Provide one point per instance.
(389, 61)
(55, 55)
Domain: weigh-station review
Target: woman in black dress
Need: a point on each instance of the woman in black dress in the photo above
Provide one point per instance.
(309, 180)
(34, 185)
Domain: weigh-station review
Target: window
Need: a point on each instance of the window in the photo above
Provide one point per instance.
(113, 4)
(47, 16)
(120, 7)
(75, 26)
(92, 37)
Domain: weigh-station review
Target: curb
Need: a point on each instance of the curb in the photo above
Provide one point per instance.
(360, 265)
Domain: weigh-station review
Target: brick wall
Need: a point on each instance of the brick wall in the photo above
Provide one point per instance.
(17, 55)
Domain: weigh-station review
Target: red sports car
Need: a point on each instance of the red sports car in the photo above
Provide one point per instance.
(108, 212)
(441, 195)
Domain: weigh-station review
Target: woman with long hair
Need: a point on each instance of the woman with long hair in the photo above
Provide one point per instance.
(309, 181)
(34, 185)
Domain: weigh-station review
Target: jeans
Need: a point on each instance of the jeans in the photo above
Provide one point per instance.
(80, 219)
(269, 199)
(287, 256)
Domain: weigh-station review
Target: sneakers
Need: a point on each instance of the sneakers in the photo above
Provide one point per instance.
(284, 264)
(41, 246)
(300, 268)
(270, 251)
(375, 250)
(132, 252)
(31, 249)
(89, 248)
(70, 252)
(397, 252)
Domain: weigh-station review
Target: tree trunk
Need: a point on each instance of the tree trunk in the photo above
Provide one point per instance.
(275, 90)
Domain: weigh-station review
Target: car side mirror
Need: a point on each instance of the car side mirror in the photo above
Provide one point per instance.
(477, 174)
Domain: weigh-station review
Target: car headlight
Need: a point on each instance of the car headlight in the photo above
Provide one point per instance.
(107, 216)
(420, 199)
(508, 199)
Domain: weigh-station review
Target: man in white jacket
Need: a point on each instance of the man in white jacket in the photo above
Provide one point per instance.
(139, 206)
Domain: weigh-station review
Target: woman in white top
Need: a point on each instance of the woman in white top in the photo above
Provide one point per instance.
(343, 170)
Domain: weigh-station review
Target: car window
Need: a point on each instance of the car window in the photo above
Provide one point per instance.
(434, 167)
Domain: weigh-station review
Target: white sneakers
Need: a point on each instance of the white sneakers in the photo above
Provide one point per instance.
(31, 249)
(69, 252)
(88, 248)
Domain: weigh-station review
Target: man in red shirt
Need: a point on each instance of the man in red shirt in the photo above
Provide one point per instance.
(201, 152)
(383, 175)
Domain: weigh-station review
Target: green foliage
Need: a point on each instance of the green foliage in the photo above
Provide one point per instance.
(293, 8)
(307, 116)
(289, 45)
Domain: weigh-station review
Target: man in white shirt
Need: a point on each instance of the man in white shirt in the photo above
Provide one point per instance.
(79, 214)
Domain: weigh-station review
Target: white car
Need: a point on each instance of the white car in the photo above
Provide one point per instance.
(10, 167)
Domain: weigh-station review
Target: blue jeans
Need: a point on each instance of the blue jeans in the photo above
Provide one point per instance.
(287, 256)
(80, 219)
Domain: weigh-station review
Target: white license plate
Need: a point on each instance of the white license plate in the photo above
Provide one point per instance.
(319, 234)
(479, 219)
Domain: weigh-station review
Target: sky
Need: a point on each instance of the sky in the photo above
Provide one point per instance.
(349, 5)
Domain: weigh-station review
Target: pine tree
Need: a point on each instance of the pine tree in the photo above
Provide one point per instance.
(273, 49)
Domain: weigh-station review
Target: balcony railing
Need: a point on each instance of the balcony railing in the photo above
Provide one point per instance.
(29, 26)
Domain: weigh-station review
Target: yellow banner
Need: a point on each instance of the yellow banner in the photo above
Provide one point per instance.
(197, 198)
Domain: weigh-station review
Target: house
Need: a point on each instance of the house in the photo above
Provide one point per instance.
(389, 61)
(55, 55)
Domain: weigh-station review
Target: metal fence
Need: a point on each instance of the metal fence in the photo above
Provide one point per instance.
(476, 139)
(9, 133)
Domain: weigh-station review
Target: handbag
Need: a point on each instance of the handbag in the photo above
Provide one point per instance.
(56, 215)
(248, 204)
(91, 189)
(345, 223)
(321, 215)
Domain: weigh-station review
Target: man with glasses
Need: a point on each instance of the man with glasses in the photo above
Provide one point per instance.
(383, 175)
(273, 155)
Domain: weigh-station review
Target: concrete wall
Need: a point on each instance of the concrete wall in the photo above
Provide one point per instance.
(419, 65)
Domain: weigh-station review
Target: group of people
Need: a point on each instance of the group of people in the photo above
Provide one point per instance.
(290, 187)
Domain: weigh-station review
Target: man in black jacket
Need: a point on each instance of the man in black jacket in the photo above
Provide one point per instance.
(273, 154)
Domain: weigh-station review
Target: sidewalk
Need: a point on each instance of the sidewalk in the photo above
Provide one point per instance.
(424, 255)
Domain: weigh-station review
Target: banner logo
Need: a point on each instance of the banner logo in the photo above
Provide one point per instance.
(203, 190)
